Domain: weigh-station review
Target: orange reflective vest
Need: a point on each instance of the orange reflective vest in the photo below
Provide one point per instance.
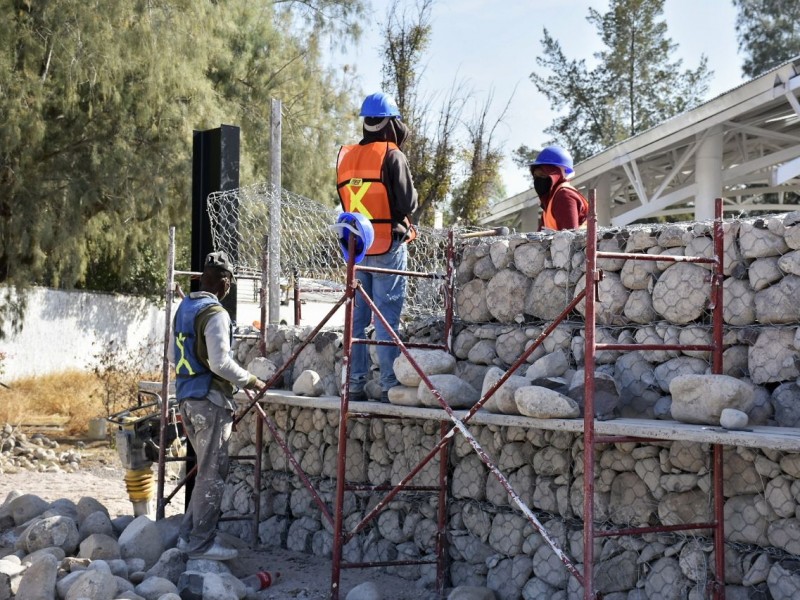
(548, 220)
(361, 190)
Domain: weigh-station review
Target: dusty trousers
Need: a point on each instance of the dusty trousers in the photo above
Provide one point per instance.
(208, 428)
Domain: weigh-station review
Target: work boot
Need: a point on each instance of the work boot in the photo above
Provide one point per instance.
(216, 552)
(359, 396)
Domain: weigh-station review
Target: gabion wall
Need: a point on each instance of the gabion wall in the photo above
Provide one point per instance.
(508, 290)
(492, 544)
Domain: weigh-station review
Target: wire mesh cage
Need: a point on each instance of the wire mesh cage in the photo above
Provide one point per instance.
(309, 249)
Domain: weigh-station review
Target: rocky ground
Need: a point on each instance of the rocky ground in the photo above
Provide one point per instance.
(52, 467)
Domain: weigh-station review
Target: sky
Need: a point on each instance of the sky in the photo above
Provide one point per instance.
(493, 44)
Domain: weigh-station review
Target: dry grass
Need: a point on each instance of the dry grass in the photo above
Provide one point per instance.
(68, 400)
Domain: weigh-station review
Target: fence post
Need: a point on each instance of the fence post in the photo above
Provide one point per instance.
(275, 217)
(263, 293)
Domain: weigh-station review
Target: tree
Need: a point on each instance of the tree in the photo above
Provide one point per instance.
(767, 32)
(473, 196)
(265, 57)
(98, 117)
(634, 87)
(339, 18)
(435, 148)
(406, 41)
(430, 148)
(433, 152)
(97, 105)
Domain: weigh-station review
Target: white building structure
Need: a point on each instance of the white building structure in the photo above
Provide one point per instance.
(743, 145)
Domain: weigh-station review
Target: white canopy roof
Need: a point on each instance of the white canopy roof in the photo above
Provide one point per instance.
(743, 145)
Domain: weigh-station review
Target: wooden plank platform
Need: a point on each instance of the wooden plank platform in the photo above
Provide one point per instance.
(777, 438)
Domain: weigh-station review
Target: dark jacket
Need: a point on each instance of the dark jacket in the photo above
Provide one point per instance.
(396, 173)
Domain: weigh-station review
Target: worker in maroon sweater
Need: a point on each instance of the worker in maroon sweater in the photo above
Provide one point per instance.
(563, 206)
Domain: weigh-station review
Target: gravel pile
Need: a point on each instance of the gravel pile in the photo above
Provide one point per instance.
(18, 452)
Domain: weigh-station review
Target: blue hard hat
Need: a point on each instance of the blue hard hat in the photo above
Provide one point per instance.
(554, 155)
(356, 224)
(379, 105)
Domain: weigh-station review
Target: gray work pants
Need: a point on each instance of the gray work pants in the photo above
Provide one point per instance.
(208, 428)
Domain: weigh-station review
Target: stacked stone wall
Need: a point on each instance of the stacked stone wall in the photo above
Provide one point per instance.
(490, 542)
(508, 291)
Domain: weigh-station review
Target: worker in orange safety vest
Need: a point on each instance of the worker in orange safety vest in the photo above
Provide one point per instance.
(563, 206)
(373, 179)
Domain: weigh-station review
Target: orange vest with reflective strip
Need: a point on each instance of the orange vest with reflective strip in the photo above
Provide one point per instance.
(361, 190)
(548, 220)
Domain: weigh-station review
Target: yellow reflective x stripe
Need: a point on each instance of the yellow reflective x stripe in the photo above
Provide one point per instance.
(356, 197)
(182, 362)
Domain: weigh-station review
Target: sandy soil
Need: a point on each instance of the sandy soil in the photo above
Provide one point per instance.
(303, 577)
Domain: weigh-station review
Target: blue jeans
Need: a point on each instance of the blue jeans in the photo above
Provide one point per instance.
(388, 293)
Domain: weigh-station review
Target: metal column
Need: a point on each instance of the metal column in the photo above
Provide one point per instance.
(708, 173)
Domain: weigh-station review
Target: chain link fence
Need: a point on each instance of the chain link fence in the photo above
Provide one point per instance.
(309, 250)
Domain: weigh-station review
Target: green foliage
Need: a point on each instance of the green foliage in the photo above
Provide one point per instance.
(634, 87)
(472, 197)
(432, 152)
(13, 303)
(139, 273)
(98, 129)
(261, 59)
(339, 18)
(523, 156)
(434, 149)
(98, 101)
(767, 32)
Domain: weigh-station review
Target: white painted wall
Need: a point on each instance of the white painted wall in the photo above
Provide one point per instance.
(63, 330)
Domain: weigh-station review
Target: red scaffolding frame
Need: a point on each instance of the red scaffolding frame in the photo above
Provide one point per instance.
(459, 425)
(440, 449)
(593, 277)
(334, 516)
(340, 537)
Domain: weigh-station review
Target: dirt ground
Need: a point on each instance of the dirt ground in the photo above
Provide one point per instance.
(303, 577)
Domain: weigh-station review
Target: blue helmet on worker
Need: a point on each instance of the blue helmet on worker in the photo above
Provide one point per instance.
(556, 156)
(379, 105)
(353, 224)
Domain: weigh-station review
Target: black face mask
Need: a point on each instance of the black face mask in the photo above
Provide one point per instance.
(542, 186)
